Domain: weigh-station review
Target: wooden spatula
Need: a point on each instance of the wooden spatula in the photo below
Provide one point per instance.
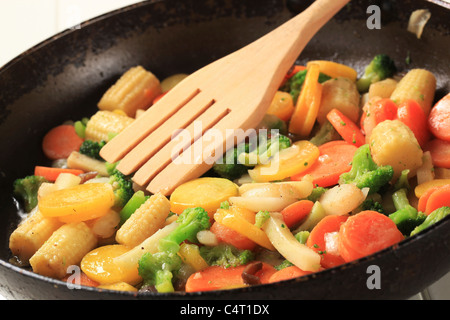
(179, 138)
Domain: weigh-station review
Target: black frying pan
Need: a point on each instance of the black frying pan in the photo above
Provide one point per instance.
(65, 76)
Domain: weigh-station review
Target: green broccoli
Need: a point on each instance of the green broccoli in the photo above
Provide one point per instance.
(302, 236)
(316, 193)
(226, 255)
(272, 122)
(190, 222)
(431, 219)
(380, 68)
(92, 148)
(261, 218)
(365, 173)
(123, 188)
(26, 190)
(283, 264)
(267, 148)
(158, 269)
(373, 205)
(295, 83)
(229, 167)
(407, 218)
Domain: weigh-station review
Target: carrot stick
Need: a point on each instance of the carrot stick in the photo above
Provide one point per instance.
(348, 130)
(216, 278)
(227, 235)
(59, 142)
(288, 273)
(51, 174)
(378, 111)
(296, 212)
(440, 152)
(439, 119)
(366, 233)
(437, 199)
(317, 241)
(335, 158)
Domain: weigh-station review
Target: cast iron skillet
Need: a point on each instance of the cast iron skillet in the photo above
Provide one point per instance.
(65, 76)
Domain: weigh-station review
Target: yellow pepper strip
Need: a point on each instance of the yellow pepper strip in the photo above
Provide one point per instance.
(335, 70)
(423, 187)
(190, 254)
(290, 161)
(308, 103)
(244, 227)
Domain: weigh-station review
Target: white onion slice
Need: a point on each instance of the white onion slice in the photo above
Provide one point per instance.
(284, 241)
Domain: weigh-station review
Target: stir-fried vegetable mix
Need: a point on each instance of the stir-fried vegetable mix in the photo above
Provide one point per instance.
(341, 168)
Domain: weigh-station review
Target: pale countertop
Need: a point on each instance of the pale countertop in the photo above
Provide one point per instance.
(25, 23)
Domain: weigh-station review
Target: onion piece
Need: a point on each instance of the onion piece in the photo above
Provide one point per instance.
(256, 204)
(284, 241)
(417, 21)
(342, 199)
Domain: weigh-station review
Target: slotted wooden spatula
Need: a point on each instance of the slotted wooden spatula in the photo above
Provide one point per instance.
(179, 138)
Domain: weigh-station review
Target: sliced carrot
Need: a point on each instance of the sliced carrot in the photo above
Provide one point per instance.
(216, 278)
(296, 212)
(422, 203)
(228, 235)
(51, 174)
(60, 142)
(288, 273)
(348, 130)
(437, 199)
(366, 233)
(439, 119)
(317, 241)
(335, 159)
(440, 152)
(411, 114)
(83, 280)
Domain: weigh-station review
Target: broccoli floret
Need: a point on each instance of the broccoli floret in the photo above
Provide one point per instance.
(284, 264)
(190, 222)
(123, 188)
(380, 68)
(302, 236)
(226, 255)
(373, 205)
(261, 218)
(272, 122)
(316, 193)
(158, 269)
(407, 218)
(229, 167)
(92, 148)
(26, 190)
(431, 219)
(365, 173)
(267, 148)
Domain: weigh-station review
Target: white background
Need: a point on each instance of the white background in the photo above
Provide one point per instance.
(25, 23)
